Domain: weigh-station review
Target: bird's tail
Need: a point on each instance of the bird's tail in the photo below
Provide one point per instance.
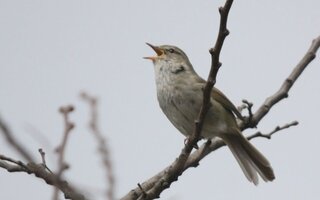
(251, 161)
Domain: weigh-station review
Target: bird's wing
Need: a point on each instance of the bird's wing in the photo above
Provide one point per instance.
(221, 98)
(225, 102)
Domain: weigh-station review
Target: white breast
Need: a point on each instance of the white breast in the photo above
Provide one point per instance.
(180, 101)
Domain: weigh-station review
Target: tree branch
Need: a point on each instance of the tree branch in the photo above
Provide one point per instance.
(40, 171)
(278, 128)
(285, 87)
(68, 126)
(43, 158)
(248, 105)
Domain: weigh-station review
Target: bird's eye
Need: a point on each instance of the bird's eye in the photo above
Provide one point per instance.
(171, 50)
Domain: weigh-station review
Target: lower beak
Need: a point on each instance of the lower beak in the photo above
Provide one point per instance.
(158, 50)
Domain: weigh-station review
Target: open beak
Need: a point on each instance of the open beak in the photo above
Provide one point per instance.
(158, 51)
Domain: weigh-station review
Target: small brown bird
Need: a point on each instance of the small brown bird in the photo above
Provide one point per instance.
(179, 92)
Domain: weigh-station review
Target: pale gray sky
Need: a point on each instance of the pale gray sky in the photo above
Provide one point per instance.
(51, 50)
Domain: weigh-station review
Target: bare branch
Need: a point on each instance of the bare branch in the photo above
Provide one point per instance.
(285, 87)
(14, 143)
(11, 167)
(248, 105)
(40, 171)
(278, 128)
(102, 144)
(151, 191)
(43, 158)
(11, 160)
(68, 126)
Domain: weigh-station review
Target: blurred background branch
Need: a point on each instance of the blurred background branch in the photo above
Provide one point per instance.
(102, 144)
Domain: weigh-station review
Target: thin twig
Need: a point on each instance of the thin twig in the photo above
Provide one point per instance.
(103, 148)
(249, 108)
(14, 143)
(11, 160)
(11, 167)
(43, 158)
(278, 128)
(68, 126)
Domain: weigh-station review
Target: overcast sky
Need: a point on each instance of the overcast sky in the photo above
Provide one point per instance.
(52, 50)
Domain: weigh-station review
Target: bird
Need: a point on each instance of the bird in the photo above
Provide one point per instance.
(180, 93)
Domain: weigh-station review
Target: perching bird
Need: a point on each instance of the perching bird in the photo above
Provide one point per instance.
(180, 94)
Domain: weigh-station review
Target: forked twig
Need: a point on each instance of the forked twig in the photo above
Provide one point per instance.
(278, 128)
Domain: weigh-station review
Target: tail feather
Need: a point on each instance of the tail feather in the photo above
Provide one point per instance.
(251, 161)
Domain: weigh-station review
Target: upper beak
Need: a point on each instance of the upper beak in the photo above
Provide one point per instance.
(157, 49)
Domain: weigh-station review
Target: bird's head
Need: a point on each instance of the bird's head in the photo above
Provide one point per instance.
(167, 53)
